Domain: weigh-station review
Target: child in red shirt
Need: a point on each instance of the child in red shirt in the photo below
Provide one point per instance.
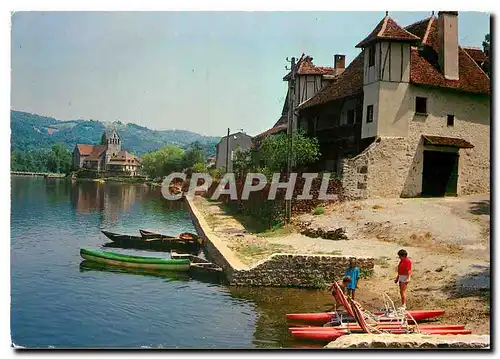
(404, 275)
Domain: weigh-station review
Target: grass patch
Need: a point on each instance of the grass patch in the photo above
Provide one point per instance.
(377, 207)
(319, 282)
(250, 253)
(365, 273)
(319, 211)
(277, 231)
(382, 261)
(334, 253)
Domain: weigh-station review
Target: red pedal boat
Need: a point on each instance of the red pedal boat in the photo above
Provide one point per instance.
(322, 318)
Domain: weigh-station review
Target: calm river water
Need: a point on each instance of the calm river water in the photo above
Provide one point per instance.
(55, 303)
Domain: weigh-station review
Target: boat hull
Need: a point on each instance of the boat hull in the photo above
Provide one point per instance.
(119, 260)
(356, 327)
(186, 236)
(322, 318)
(158, 244)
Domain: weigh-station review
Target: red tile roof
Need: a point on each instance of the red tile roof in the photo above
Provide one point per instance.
(424, 68)
(305, 66)
(419, 28)
(476, 53)
(446, 141)
(123, 157)
(385, 30)
(471, 76)
(280, 126)
(85, 150)
(96, 153)
(348, 84)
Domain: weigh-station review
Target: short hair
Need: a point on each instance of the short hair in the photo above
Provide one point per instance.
(402, 253)
(346, 279)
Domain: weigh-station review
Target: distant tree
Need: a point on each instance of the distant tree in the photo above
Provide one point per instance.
(192, 156)
(244, 161)
(59, 159)
(274, 152)
(486, 49)
(162, 162)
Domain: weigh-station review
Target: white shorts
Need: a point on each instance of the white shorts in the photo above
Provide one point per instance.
(403, 278)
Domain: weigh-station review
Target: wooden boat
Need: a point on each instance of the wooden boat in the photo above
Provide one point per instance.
(205, 268)
(158, 244)
(124, 260)
(185, 236)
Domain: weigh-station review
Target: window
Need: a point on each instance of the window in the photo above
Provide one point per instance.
(369, 113)
(371, 56)
(450, 120)
(350, 117)
(421, 105)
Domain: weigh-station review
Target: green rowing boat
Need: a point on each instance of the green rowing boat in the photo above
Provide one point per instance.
(124, 260)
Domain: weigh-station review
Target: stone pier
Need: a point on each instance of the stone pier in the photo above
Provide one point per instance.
(279, 269)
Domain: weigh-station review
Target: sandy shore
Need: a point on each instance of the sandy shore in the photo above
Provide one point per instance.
(447, 239)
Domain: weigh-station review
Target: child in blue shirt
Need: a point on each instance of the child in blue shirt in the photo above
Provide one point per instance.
(353, 273)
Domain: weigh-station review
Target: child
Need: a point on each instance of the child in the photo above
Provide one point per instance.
(404, 275)
(353, 273)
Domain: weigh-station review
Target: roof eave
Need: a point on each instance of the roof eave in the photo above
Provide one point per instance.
(364, 43)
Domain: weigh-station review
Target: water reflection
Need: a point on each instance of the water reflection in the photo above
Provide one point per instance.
(86, 266)
(272, 304)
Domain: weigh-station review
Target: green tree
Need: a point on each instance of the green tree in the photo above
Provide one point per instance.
(59, 159)
(192, 156)
(274, 151)
(486, 49)
(199, 167)
(162, 162)
(244, 161)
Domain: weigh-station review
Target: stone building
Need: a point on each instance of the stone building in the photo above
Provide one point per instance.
(309, 79)
(230, 144)
(409, 116)
(106, 157)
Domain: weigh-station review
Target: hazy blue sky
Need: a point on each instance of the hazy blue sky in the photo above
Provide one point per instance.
(200, 71)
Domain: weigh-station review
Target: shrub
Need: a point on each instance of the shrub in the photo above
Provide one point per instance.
(199, 167)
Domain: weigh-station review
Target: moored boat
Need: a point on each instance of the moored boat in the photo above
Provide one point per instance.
(160, 244)
(124, 260)
(187, 236)
(324, 317)
(205, 268)
(385, 326)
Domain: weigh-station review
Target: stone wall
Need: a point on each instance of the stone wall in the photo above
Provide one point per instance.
(278, 270)
(297, 270)
(410, 341)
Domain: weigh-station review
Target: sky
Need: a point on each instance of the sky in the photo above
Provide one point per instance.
(198, 71)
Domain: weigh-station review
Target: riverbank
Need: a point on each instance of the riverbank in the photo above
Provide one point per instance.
(447, 239)
(250, 260)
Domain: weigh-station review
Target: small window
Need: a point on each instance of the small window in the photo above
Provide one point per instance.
(371, 56)
(450, 120)
(421, 105)
(350, 117)
(369, 113)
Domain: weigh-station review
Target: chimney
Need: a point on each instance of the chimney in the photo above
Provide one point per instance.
(339, 61)
(448, 44)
